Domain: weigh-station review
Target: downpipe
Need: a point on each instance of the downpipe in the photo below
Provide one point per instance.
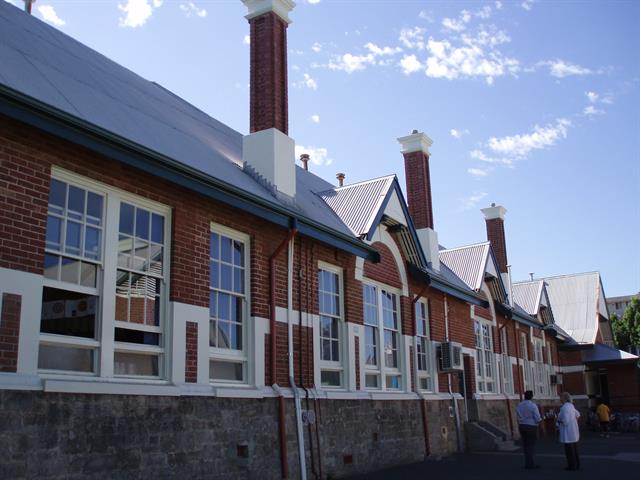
(292, 382)
(456, 413)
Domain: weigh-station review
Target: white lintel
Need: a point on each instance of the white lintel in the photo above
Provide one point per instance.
(493, 212)
(260, 7)
(416, 142)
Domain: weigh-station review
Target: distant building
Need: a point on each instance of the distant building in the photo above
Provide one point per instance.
(618, 305)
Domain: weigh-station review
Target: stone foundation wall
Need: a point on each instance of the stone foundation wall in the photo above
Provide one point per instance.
(78, 436)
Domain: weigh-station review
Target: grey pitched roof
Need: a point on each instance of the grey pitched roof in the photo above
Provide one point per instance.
(577, 302)
(467, 262)
(358, 204)
(528, 295)
(44, 64)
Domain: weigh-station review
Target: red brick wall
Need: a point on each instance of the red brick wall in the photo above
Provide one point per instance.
(191, 360)
(386, 271)
(624, 387)
(268, 73)
(571, 357)
(416, 165)
(9, 331)
(574, 383)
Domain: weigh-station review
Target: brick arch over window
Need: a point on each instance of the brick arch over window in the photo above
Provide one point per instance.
(386, 271)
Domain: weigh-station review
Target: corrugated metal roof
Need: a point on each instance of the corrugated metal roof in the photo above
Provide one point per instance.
(358, 204)
(527, 295)
(43, 63)
(574, 300)
(468, 263)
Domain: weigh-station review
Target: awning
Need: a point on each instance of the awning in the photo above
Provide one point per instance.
(601, 353)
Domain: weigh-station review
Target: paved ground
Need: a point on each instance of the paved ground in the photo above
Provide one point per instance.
(617, 457)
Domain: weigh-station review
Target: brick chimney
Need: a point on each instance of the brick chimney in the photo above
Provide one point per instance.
(268, 149)
(494, 217)
(415, 149)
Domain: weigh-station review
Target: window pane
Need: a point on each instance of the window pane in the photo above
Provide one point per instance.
(225, 277)
(51, 266)
(125, 246)
(126, 363)
(142, 224)
(335, 351)
(54, 226)
(155, 256)
(214, 274)
(94, 208)
(238, 253)
(92, 243)
(57, 195)
(238, 280)
(70, 270)
(326, 350)
(68, 313)
(157, 228)
(393, 382)
(72, 240)
(371, 381)
(141, 255)
(220, 370)
(330, 378)
(214, 246)
(88, 275)
(224, 335)
(225, 249)
(136, 336)
(70, 359)
(75, 209)
(122, 295)
(325, 327)
(126, 218)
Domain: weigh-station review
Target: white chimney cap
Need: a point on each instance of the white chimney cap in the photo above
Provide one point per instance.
(493, 212)
(279, 7)
(416, 142)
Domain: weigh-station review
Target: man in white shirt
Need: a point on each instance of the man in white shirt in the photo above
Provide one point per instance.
(528, 420)
(567, 424)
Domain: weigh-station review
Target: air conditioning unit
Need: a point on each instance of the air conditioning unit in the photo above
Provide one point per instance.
(556, 379)
(450, 356)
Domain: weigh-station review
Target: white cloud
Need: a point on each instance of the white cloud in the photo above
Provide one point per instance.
(498, 5)
(590, 111)
(313, 2)
(592, 96)
(351, 63)
(316, 47)
(157, 3)
(410, 64)
(191, 8)
(478, 172)
(519, 146)
(14, 3)
(474, 57)
(480, 155)
(307, 81)
(317, 155)
(560, 69)
(247, 40)
(49, 15)
(315, 118)
(413, 37)
(136, 12)
(425, 15)
(457, 24)
(458, 133)
(484, 12)
(472, 200)
(527, 4)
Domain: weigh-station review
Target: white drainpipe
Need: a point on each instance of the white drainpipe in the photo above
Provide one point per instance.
(296, 394)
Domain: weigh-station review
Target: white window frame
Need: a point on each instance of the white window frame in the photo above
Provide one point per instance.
(485, 356)
(105, 345)
(540, 369)
(507, 371)
(231, 355)
(526, 363)
(328, 365)
(427, 374)
(381, 370)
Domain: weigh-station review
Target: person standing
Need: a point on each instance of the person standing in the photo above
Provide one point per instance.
(603, 414)
(567, 424)
(528, 420)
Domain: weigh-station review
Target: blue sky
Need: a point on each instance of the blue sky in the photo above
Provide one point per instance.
(533, 105)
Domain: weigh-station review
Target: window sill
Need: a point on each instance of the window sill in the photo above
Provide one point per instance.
(110, 387)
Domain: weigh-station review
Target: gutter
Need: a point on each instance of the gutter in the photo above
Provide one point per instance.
(31, 111)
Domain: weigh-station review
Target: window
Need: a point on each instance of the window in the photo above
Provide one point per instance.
(484, 357)
(507, 371)
(541, 377)
(331, 327)
(528, 373)
(228, 306)
(424, 352)
(381, 319)
(103, 301)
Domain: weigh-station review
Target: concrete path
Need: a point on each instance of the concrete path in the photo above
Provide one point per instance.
(617, 457)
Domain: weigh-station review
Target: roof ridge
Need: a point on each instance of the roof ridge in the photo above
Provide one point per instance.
(357, 184)
(572, 275)
(464, 246)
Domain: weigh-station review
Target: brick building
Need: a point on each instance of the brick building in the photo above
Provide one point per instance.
(180, 299)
